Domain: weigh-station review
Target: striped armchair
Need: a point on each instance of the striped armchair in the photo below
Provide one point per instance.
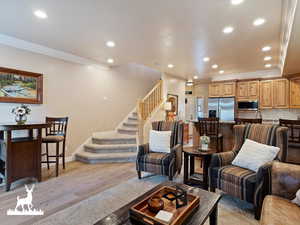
(162, 163)
(243, 183)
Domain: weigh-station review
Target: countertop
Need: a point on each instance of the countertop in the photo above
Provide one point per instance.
(265, 121)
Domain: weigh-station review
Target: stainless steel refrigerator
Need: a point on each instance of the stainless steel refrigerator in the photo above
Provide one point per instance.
(222, 108)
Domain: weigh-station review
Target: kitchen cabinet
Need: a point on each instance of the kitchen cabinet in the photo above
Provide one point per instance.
(295, 93)
(266, 94)
(248, 90)
(242, 90)
(214, 90)
(226, 89)
(253, 90)
(281, 93)
(274, 94)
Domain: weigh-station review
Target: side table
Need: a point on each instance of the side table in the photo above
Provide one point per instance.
(190, 176)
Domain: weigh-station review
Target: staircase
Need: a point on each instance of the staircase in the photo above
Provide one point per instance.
(121, 145)
(112, 146)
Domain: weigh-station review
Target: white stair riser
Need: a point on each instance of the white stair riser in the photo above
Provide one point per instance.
(113, 141)
(111, 160)
(117, 150)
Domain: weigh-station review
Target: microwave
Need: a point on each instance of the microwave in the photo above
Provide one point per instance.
(248, 105)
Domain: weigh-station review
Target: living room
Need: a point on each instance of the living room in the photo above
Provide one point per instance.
(132, 112)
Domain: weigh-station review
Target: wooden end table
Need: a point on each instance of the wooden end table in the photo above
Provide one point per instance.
(190, 176)
(208, 208)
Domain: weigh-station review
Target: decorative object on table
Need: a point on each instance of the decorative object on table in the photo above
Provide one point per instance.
(141, 213)
(20, 86)
(179, 195)
(155, 204)
(21, 113)
(205, 140)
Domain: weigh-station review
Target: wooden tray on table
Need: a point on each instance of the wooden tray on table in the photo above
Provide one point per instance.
(140, 212)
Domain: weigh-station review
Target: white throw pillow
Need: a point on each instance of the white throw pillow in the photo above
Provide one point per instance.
(297, 199)
(253, 155)
(160, 141)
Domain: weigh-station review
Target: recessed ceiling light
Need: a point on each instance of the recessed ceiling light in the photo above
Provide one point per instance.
(228, 30)
(196, 77)
(215, 66)
(40, 14)
(267, 58)
(206, 59)
(221, 71)
(110, 44)
(259, 21)
(268, 65)
(266, 48)
(171, 66)
(236, 2)
(110, 60)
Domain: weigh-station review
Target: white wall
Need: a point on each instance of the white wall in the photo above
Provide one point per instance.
(93, 98)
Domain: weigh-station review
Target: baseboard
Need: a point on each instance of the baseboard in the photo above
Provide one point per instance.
(68, 159)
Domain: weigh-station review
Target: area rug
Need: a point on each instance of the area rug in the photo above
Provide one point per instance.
(89, 211)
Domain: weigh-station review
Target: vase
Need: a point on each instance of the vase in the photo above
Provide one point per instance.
(21, 119)
(204, 147)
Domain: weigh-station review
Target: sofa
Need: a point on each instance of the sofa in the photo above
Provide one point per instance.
(277, 207)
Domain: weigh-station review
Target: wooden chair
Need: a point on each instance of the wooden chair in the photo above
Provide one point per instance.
(210, 127)
(239, 121)
(55, 135)
(293, 132)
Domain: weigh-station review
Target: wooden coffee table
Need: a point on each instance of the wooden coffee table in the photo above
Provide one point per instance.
(208, 208)
(190, 177)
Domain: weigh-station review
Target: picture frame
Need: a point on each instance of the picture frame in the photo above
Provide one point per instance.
(17, 86)
(174, 102)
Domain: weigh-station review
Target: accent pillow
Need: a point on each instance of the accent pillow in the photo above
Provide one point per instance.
(297, 199)
(160, 141)
(253, 155)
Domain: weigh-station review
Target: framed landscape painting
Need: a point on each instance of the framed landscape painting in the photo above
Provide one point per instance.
(20, 86)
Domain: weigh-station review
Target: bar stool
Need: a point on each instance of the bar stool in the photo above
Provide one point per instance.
(55, 134)
(210, 127)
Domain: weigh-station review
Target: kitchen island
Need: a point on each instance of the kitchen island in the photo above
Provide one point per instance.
(226, 128)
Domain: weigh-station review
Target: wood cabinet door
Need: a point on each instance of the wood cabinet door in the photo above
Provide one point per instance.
(295, 93)
(214, 90)
(266, 94)
(281, 93)
(228, 89)
(242, 90)
(253, 90)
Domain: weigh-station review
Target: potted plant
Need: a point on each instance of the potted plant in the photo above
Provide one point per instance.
(205, 140)
(21, 113)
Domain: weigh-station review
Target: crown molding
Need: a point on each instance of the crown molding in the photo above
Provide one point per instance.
(40, 49)
(248, 75)
(287, 21)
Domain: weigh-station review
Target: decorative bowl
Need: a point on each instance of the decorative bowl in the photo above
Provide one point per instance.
(155, 204)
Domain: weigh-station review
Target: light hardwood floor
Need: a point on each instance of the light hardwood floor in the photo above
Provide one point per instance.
(78, 182)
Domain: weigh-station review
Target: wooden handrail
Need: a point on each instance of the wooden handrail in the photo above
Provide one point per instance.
(150, 102)
(146, 106)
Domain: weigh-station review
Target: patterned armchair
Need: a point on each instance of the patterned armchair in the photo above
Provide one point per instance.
(243, 183)
(162, 163)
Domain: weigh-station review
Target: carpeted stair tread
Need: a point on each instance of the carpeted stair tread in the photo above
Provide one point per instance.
(129, 124)
(106, 157)
(111, 135)
(96, 148)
